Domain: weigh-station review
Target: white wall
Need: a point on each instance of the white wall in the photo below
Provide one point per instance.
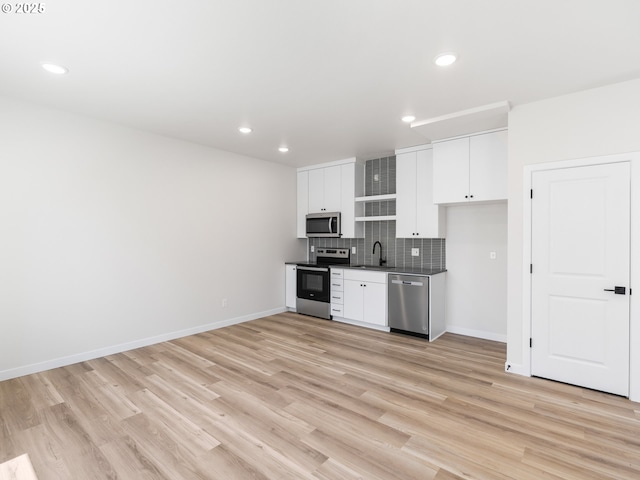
(113, 238)
(476, 300)
(595, 122)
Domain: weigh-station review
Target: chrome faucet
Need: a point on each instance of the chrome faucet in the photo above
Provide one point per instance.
(381, 260)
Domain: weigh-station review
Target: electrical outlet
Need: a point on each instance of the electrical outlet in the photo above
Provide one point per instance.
(492, 255)
(353, 250)
(376, 177)
(224, 303)
(415, 252)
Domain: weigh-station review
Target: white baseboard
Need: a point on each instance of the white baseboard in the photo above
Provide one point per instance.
(123, 347)
(497, 337)
(516, 368)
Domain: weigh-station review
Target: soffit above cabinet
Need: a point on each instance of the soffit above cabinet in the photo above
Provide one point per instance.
(465, 122)
(335, 163)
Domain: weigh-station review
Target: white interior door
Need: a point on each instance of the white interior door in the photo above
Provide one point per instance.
(580, 251)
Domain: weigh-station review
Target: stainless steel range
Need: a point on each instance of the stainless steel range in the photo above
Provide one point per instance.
(313, 288)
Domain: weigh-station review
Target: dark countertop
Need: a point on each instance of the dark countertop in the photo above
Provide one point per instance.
(399, 270)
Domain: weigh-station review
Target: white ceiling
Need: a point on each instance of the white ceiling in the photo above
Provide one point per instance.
(328, 78)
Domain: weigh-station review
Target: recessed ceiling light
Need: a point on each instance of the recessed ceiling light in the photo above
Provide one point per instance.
(53, 68)
(445, 59)
(283, 149)
(408, 118)
(245, 130)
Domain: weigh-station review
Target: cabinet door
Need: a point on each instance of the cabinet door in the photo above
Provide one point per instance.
(348, 207)
(451, 171)
(406, 195)
(429, 216)
(375, 304)
(353, 300)
(303, 203)
(291, 286)
(332, 189)
(316, 190)
(488, 166)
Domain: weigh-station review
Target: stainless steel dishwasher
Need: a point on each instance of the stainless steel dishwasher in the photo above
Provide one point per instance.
(409, 304)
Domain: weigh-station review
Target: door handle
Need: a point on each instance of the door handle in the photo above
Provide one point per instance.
(617, 290)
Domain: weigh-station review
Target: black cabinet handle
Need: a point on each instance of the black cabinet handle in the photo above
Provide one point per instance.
(617, 290)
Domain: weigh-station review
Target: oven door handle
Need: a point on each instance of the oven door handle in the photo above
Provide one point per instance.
(314, 269)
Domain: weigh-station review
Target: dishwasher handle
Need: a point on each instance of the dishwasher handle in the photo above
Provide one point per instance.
(404, 282)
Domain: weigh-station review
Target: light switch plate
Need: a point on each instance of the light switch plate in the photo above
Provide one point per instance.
(415, 252)
(353, 250)
(313, 248)
(492, 255)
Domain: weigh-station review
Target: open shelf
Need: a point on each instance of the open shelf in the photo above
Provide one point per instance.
(377, 198)
(378, 218)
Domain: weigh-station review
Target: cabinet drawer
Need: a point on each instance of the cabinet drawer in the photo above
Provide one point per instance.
(337, 310)
(337, 297)
(336, 285)
(337, 273)
(365, 276)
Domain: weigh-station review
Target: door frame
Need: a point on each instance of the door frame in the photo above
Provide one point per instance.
(634, 305)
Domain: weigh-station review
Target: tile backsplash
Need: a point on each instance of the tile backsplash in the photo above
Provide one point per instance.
(380, 179)
(384, 169)
(397, 251)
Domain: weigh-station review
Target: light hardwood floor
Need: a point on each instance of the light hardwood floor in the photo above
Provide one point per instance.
(293, 397)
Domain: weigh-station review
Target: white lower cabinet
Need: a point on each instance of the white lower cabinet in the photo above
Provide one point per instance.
(291, 286)
(365, 297)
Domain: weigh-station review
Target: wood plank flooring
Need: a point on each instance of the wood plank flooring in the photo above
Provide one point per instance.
(294, 397)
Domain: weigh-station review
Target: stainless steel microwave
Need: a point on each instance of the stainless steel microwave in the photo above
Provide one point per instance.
(325, 224)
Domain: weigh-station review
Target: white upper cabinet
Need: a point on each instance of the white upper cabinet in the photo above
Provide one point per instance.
(352, 175)
(416, 214)
(325, 189)
(470, 169)
(302, 203)
(488, 166)
(332, 188)
(451, 171)
(315, 201)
